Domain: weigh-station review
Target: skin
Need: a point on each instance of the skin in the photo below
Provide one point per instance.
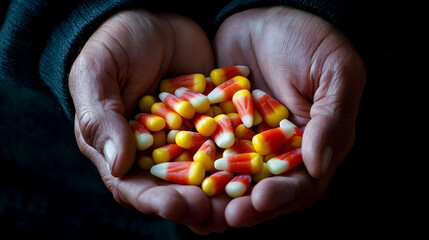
(305, 63)
(297, 57)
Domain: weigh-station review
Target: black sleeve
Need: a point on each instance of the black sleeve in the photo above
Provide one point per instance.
(40, 39)
(341, 13)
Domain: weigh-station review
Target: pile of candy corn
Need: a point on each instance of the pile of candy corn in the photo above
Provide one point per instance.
(215, 132)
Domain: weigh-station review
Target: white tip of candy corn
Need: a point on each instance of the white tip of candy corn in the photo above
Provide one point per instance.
(244, 70)
(180, 91)
(286, 124)
(257, 94)
(276, 166)
(163, 95)
(247, 121)
(221, 164)
(144, 141)
(235, 189)
(216, 95)
(225, 140)
(160, 170)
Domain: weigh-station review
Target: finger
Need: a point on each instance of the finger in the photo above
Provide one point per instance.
(215, 222)
(143, 192)
(330, 133)
(276, 196)
(197, 204)
(100, 116)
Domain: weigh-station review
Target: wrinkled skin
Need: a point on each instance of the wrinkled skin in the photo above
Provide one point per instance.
(297, 57)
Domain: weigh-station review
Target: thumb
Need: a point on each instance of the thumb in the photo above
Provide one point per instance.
(102, 132)
(325, 143)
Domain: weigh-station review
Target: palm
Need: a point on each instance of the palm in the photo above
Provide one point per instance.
(310, 67)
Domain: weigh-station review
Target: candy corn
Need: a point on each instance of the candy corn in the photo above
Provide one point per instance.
(179, 105)
(268, 141)
(190, 140)
(172, 119)
(224, 134)
(142, 136)
(191, 173)
(242, 132)
(215, 125)
(271, 110)
(145, 103)
(216, 183)
(242, 146)
(243, 102)
(151, 121)
(166, 153)
(205, 125)
(226, 90)
(196, 82)
(220, 75)
(238, 186)
(206, 154)
(284, 162)
(199, 101)
(242, 163)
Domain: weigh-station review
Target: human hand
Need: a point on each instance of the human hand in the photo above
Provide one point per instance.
(308, 65)
(123, 60)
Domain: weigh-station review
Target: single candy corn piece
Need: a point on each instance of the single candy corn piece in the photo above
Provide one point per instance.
(179, 105)
(220, 75)
(242, 146)
(238, 186)
(151, 121)
(209, 86)
(172, 119)
(242, 132)
(224, 133)
(142, 135)
(226, 90)
(242, 163)
(196, 82)
(271, 110)
(144, 160)
(205, 125)
(227, 107)
(284, 162)
(199, 101)
(243, 102)
(206, 154)
(263, 174)
(146, 102)
(216, 183)
(235, 119)
(268, 141)
(191, 173)
(190, 140)
(166, 153)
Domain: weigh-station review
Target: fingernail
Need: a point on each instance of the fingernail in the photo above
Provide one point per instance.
(327, 157)
(109, 152)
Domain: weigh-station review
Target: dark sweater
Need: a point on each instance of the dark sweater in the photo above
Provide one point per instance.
(39, 39)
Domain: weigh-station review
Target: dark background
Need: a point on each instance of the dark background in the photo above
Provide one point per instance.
(49, 189)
